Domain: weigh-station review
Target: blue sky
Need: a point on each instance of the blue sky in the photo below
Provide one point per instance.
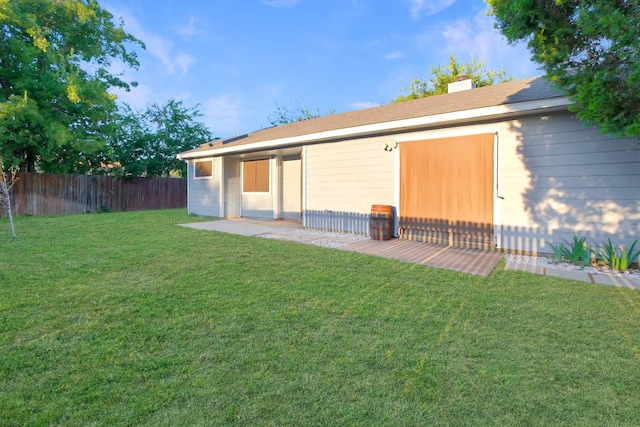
(237, 59)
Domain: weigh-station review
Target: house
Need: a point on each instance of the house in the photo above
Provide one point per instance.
(505, 166)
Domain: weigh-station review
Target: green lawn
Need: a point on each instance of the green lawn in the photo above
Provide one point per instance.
(128, 319)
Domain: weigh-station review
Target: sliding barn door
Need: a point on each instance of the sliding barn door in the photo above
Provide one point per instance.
(446, 190)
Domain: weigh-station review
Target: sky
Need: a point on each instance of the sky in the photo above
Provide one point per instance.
(238, 60)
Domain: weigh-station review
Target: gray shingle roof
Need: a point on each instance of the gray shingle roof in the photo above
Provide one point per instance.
(532, 89)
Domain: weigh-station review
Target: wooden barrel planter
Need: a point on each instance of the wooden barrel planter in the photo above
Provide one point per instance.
(381, 222)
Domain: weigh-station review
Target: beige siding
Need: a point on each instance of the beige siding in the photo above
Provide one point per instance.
(557, 177)
(291, 188)
(344, 179)
(204, 193)
(232, 188)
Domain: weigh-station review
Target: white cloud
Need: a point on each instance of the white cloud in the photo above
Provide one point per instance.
(478, 37)
(184, 61)
(159, 47)
(394, 55)
(222, 115)
(189, 29)
(138, 97)
(271, 91)
(281, 3)
(361, 105)
(428, 7)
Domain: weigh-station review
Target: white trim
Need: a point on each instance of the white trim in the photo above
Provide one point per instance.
(457, 117)
(188, 188)
(222, 206)
(277, 185)
(497, 192)
(396, 187)
(304, 186)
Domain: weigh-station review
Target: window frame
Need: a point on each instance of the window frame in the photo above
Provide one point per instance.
(268, 176)
(195, 169)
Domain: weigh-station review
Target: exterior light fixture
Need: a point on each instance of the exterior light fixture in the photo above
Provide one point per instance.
(389, 146)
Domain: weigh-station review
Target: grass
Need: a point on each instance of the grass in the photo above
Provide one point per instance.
(128, 319)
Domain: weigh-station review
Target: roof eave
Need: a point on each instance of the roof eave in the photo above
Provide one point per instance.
(456, 117)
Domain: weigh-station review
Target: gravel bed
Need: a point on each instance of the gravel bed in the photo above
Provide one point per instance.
(547, 262)
(325, 239)
(330, 234)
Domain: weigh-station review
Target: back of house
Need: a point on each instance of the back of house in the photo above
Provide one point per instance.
(505, 166)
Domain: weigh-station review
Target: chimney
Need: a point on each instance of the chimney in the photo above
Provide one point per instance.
(462, 82)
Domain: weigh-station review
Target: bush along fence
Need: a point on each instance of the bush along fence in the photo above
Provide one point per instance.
(53, 194)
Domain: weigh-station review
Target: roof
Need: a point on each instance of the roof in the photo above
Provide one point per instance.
(504, 94)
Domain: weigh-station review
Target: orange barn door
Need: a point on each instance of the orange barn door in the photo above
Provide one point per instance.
(446, 190)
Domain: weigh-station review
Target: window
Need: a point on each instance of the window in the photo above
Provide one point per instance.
(203, 168)
(255, 176)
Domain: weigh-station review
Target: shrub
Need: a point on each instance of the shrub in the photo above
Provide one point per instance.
(617, 259)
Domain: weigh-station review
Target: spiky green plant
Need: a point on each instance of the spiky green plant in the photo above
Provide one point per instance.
(617, 260)
(558, 250)
(627, 257)
(576, 251)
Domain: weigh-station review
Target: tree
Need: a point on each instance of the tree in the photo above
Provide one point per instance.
(588, 48)
(298, 113)
(441, 77)
(145, 143)
(7, 180)
(54, 80)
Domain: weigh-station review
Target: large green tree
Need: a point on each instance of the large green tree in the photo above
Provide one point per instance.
(55, 107)
(441, 76)
(588, 48)
(145, 143)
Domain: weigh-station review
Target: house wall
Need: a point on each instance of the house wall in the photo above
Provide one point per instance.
(343, 180)
(557, 177)
(203, 196)
(553, 176)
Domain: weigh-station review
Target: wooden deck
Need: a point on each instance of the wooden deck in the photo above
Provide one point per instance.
(471, 261)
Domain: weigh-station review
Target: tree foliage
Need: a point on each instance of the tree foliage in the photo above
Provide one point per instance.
(55, 55)
(441, 76)
(297, 113)
(145, 143)
(588, 48)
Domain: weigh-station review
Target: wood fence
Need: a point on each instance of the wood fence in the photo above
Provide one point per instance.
(53, 194)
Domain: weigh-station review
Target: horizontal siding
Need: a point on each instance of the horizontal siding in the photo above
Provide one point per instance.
(257, 206)
(291, 188)
(344, 179)
(349, 176)
(512, 168)
(557, 177)
(547, 159)
(582, 181)
(204, 194)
